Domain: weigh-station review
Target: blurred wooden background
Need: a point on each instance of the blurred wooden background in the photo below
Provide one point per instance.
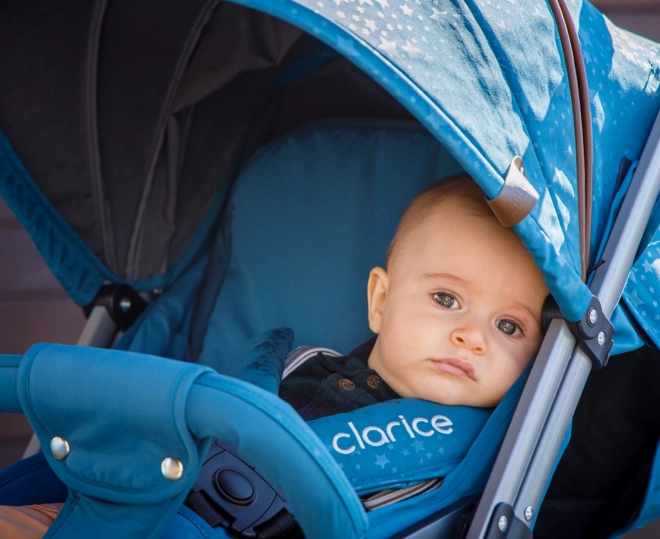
(34, 308)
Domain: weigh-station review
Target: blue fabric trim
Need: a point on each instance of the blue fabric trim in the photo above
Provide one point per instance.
(75, 266)
(189, 525)
(374, 456)
(626, 338)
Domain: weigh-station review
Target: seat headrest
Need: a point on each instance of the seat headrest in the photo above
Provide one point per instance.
(312, 213)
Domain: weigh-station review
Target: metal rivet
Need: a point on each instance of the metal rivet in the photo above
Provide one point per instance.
(124, 304)
(59, 448)
(592, 317)
(601, 338)
(171, 468)
(529, 513)
(502, 523)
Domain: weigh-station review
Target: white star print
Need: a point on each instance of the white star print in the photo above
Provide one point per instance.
(406, 10)
(370, 24)
(383, 3)
(438, 15)
(411, 49)
(388, 46)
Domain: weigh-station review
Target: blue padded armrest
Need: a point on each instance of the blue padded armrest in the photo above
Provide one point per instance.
(123, 413)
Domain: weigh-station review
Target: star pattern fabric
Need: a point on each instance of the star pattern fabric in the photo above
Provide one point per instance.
(490, 90)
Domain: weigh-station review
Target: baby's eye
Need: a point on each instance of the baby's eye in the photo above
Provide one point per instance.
(446, 300)
(508, 327)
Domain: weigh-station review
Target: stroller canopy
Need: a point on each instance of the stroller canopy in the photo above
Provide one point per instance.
(123, 122)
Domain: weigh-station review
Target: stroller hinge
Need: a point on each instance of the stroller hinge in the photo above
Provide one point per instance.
(593, 332)
(506, 525)
(123, 304)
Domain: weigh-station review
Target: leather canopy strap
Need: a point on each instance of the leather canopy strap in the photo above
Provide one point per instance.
(579, 88)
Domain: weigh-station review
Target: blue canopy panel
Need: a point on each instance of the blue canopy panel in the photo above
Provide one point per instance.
(623, 71)
(490, 84)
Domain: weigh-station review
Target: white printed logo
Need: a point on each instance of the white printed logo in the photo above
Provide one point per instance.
(376, 436)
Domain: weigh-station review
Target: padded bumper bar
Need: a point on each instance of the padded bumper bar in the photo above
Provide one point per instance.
(127, 430)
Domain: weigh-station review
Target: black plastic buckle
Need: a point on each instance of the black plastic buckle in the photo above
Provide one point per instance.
(230, 493)
(593, 332)
(506, 525)
(123, 304)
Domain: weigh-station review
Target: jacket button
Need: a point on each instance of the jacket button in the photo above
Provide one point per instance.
(373, 381)
(345, 384)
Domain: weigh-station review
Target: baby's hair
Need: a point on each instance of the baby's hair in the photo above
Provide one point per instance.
(460, 189)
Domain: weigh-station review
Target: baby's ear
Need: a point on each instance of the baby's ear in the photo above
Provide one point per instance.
(377, 288)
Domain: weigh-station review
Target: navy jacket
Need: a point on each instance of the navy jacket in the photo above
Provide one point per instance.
(327, 385)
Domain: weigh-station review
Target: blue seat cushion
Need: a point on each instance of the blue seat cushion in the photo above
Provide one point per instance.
(312, 213)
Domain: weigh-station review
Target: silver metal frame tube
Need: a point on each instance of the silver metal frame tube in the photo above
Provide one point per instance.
(521, 440)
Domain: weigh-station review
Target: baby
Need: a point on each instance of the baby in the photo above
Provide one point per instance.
(457, 313)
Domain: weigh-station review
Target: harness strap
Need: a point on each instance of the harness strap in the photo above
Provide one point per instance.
(282, 525)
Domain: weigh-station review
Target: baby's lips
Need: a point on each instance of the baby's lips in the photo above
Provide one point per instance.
(455, 366)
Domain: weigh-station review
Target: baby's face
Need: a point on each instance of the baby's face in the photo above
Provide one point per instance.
(458, 313)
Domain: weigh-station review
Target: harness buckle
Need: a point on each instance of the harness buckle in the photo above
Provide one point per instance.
(228, 492)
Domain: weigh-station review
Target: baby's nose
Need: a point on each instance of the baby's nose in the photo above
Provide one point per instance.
(470, 337)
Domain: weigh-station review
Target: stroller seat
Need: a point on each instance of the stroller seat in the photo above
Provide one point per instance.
(311, 214)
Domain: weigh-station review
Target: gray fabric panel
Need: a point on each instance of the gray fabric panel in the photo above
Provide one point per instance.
(43, 73)
(178, 86)
(142, 55)
(228, 77)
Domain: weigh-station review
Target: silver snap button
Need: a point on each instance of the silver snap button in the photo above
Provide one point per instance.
(59, 448)
(171, 468)
(529, 513)
(503, 523)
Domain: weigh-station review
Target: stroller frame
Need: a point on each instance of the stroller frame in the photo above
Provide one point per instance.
(536, 435)
(538, 432)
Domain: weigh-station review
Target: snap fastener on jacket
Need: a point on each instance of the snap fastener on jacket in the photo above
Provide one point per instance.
(345, 384)
(373, 381)
(59, 448)
(172, 469)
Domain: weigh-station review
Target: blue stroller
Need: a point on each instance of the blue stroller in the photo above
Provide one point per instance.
(163, 156)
